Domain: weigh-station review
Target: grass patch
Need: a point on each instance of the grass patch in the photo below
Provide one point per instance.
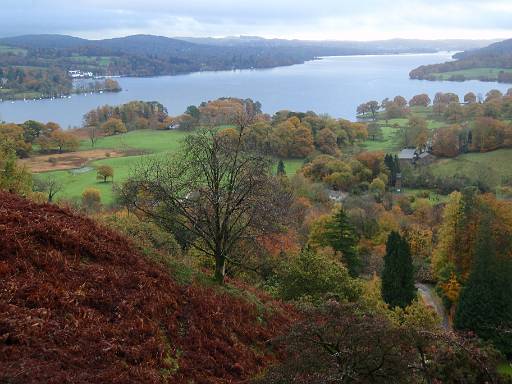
(505, 369)
(386, 144)
(433, 198)
(102, 61)
(152, 142)
(472, 74)
(492, 167)
(145, 140)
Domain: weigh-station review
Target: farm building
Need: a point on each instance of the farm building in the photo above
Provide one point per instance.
(415, 157)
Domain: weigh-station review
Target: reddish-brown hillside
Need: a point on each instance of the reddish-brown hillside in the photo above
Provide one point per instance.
(78, 304)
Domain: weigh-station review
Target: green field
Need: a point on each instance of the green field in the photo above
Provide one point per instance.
(493, 167)
(91, 60)
(473, 74)
(388, 143)
(433, 197)
(152, 142)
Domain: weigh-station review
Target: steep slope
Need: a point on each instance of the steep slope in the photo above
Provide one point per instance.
(78, 304)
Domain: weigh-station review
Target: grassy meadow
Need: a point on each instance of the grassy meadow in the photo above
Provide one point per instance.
(493, 167)
(152, 143)
(473, 74)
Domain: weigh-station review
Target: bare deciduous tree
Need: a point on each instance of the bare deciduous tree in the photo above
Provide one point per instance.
(213, 189)
(50, 186)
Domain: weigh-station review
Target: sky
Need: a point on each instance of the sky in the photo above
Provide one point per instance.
(291, 19)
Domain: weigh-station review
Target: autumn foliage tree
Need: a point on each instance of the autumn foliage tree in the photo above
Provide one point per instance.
(91, 199)
(113, 126)
(104, 172)
(293, 139)
(415, 134)
(448, 141)
(421, 100)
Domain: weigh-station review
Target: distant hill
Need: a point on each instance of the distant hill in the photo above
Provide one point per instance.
(392, 45)
(80, 304)
(147, 45)
(496, 50)
(491, 63)
(148, 55)
(44, 41)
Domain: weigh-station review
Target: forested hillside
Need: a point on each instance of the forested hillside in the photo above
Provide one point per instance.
(492, 63)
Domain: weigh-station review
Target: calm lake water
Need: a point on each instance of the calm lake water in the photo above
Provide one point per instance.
(333, 85)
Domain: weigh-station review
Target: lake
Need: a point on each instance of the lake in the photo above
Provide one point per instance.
(333, 85)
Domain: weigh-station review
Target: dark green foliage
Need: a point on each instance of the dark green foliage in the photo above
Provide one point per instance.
(394, 168)
(341, 236)
(393, 164)
(193, 111)
(281, 171)
(398, 274)
(32, 130)
(485, 304)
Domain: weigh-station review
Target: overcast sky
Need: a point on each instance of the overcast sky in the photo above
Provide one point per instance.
(303, 19)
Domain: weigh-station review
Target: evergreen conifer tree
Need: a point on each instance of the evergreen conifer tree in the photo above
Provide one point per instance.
(341, 236)
(393, 165)
(485, 303)
(281, 171)
(398, 274)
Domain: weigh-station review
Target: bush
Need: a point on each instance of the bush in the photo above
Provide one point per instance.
(144, 233)
(314, 277)
(91, 199)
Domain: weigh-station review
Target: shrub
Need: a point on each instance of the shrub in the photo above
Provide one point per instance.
(91, 199)
(314, 277)
(144, 233)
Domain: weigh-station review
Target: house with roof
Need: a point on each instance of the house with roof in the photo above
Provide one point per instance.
(412, 156)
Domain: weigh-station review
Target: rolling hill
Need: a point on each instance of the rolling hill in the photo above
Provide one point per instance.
(148, 55)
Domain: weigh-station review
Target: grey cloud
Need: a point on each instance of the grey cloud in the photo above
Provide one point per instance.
(343, 18)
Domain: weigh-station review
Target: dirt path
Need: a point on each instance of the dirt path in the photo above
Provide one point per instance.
(430, 298)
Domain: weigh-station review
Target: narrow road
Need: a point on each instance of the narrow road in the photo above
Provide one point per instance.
(430, 298)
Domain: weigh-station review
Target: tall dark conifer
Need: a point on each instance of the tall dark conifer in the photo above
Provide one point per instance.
(341, 236)
(281, 171)
(485, 303)
(398, 274)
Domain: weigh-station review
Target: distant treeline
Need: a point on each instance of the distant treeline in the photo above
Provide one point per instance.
(39, 82)
(36, 82)
(145, 55)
